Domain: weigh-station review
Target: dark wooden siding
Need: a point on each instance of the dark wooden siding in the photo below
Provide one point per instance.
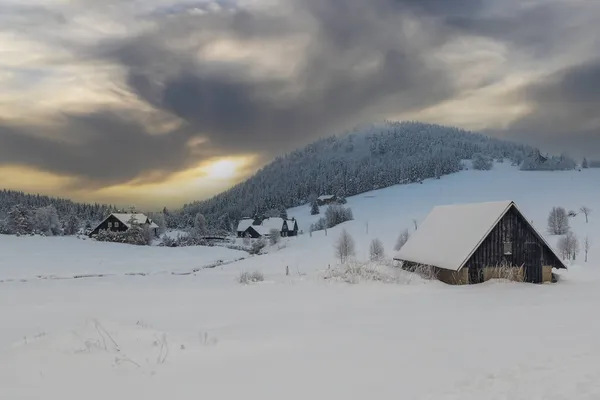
(121, 227)
(515, 229)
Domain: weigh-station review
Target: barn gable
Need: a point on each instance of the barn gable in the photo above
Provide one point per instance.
(477, 236)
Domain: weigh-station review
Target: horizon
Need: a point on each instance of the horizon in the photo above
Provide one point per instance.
(164, 102)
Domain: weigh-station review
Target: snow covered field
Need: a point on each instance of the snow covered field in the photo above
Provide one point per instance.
(299, 336)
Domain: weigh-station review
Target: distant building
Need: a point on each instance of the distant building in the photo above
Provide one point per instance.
(327, 199)
(120, 222)
(259, 228)
(467, 243)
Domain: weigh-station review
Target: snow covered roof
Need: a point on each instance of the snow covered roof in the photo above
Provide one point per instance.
(291, 223)
(261, 230)
(137, 217)
(244, 224)
(450, 234)
(273, 223)
(326, 197)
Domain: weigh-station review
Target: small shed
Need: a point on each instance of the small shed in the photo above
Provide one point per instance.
(326, 199)
(468, 243)
(120, 222)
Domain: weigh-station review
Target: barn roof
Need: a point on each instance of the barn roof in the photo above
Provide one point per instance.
(244, 224)
(137, 217)
(451, 234)
(273, 223)
(326, 197)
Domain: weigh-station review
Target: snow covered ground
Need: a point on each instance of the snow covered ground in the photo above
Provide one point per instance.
(299, 336)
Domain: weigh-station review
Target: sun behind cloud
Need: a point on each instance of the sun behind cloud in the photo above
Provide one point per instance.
(223, 169)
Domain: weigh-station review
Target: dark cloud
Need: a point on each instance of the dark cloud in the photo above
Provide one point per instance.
(353, 60)
(565, 113)
(333, 87)
(99, 149)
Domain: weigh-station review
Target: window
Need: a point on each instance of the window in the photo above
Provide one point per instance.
(116, 224)
(508, 248)
(110, 224)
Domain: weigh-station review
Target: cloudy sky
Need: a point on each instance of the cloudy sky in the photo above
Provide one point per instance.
(154, 102)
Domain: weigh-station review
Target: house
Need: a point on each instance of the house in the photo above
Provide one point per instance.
(120, 222)
(258, 228)
(464, 244)
(327, 199)
(243, 225)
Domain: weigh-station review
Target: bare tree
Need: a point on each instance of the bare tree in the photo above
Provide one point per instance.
(586, 211)
(416, 224)
(376, 250)
(274, 236)
(569, 246)
(558, 221)
(587, 243)
(344, 248)
(402, 239)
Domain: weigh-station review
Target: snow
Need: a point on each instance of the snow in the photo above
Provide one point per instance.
(326, 197)
(273, 223)
(301, 336)
(139, 218)
(450, 233)
(35, 257)
(244, 224)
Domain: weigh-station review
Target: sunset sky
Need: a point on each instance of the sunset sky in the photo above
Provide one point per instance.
(160, 102)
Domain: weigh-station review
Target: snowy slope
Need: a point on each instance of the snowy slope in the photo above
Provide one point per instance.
(298, 336)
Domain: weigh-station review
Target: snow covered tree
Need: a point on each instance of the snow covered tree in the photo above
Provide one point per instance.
(314, 208)
(482, 162)
(283, 213)
(402, 239)
(19, 221)
(200, 226)
(587, 243)
(586, 211)
(336, 214)
(274, 236)
(159, 219)
(376, 250)
(45, 221)
(345, 247)
(558, 221)
(568, 245)
(72, 225)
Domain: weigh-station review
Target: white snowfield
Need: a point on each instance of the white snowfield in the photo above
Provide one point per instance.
(300, 336)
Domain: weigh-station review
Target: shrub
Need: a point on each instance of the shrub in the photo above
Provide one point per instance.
(376, 250)
(274, 236)
(246, 278)
(402, 239)
(257, 246)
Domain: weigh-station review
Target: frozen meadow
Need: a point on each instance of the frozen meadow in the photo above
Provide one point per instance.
(164, 334)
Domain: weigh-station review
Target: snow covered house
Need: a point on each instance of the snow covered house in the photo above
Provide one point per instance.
(258, 228)
(327, 199)
(472, 243)
(120, 222)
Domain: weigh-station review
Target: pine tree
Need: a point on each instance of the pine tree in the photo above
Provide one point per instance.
(314, 208)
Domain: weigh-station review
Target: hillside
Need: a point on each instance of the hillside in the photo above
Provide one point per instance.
(367, 159)
(174, 333)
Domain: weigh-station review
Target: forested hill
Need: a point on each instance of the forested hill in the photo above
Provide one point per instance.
(373, 158)
(54, 212)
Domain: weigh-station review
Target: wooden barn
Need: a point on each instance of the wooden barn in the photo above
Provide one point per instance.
(327, 199)
(472, 243)
(120, 222)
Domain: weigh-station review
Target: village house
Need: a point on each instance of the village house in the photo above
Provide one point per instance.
(120, 222)
(327, 199)
(472, 243)
(256, 228)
